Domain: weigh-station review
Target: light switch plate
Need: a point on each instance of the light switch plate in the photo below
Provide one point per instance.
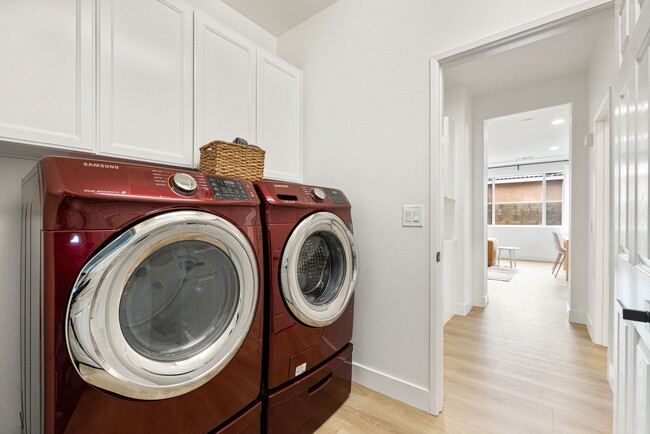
(412, 216)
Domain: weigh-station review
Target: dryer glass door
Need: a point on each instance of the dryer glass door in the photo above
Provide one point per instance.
(179, 300)
(164, 307)
(319, 269)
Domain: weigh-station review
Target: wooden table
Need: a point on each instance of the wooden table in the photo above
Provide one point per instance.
(512, 251)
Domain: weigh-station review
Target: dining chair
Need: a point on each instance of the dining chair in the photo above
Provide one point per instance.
(561, 253)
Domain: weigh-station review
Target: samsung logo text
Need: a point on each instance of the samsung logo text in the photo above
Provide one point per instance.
(101, 165)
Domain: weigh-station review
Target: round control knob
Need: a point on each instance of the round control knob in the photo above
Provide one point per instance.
(184, 183)
(318, 194)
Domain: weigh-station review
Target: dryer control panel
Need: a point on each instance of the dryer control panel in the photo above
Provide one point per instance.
(291, 194)
(336, 196)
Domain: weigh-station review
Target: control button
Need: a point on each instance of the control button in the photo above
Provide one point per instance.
(184, 183)
(318, 194)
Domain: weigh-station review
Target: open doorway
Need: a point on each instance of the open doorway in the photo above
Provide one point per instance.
(526, 351)
(528, 169)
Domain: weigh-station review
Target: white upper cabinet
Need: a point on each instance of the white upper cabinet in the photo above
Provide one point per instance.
(279, 116)
(149, 80)
(145, 80)
(46, 73)
(224, 96)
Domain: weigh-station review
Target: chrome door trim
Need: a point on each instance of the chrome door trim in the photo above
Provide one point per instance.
(95, 340)
(306, 312)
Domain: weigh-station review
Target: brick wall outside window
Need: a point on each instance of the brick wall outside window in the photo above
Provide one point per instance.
(521, 202)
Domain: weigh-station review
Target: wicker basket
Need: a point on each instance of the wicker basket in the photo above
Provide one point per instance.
(232, 160)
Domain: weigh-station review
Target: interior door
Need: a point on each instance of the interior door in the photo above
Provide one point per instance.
(631, 253)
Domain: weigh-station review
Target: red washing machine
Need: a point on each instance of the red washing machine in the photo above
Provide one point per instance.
(141, 303)
(312, 273)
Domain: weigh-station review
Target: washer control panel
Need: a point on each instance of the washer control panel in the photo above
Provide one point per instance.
(184, 183)
(224, 188)
(336, 197)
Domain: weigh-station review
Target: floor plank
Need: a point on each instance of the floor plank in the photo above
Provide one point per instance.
(515, 366)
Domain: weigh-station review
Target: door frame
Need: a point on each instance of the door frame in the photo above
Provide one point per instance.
(550, 25)
(602, 140)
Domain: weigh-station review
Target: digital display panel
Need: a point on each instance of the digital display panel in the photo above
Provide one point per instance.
(227, 188)
(336, 197)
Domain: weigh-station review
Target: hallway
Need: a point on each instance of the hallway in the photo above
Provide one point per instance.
(518, 365)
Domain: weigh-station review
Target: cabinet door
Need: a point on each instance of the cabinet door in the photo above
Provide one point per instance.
(47, 72)
(224, 92)
(279, 117)
(145, 76)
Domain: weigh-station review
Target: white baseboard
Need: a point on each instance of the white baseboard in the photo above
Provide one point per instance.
(576, 316)
(590, 328)
(481, 301)
(463, 308)
(531, 258)
(611, 379)
(401, 390)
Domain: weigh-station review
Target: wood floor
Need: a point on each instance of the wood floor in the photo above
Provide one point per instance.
(516, 366)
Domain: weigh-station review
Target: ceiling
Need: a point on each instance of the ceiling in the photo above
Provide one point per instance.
(278, 16)
(560, 55)
(528, 137)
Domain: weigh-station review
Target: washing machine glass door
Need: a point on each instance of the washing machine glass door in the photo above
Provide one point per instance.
(164, 307)
(318, 270)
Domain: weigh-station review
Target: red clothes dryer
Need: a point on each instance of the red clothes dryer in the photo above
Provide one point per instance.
(312, 264)
(141, 302)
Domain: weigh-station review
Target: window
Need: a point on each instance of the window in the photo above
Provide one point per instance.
(554, 188)
(526, 200)
(489, 200)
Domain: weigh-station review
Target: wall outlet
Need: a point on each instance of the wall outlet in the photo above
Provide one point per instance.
(412, 216)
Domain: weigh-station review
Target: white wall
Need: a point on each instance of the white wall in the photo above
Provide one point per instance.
(12, 170)
(536, 242)
(602, 68)
(566, 90)
(239, 23)
(366, 131)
